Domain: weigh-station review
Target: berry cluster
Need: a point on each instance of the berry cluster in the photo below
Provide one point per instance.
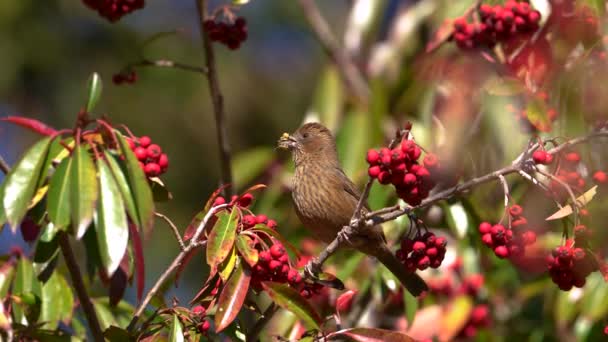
(113, 10)
(422, 252)
(151, 157)
(229, 34)
(470, 286)
(198, 314)
(401, 168)
(569, 265)
(129, 77)
(242, 201)
(569, 174)
(497, 24)
(508, 242)
(250, 220)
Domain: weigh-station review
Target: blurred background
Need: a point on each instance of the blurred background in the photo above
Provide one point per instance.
(476, 112)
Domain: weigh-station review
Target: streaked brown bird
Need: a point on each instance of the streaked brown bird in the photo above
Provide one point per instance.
(325, 199)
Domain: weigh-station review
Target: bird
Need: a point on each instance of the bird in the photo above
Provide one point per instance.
(325, 199)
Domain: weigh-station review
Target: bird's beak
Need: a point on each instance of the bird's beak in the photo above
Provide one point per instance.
(286, 142)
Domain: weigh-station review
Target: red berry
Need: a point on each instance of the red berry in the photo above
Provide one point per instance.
(424, 263)
(419, 247)
(261, 218)
(515, 210)
(374, 171)
(154, 151)
(529, 237)
(163, 161)
(140, 153)
(152, 169)
(219, 201)
(373, 157)
(431, 252)
(264, 257)
(485, 227)
(430, 161)
(275, 265)
(600, 177)
(131, 144)
(248, 221)
(573, 157)
(245, 200)
(284, 259)
(501, 252)
(277, 250)
(204, 326)
(272, 224)
(198, 310)
(145, 141)
(441, 242)
(384, 177)
(294, 277)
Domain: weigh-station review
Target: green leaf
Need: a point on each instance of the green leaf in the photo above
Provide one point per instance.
(232, 297)
(537, 114)
(57, 301)
(58, 197)
(116, 334)
(25, 284)
(227, 266)
(121, 180)
(289, 299)
(139, 187)
(84, 190)
(6, 277)
(221, 239)
(110, 220)
(411, 306)
(48, 232)
(2, 212)
(94, 87)
(248, 165)
(20, 183)
(44, 257)
(245, 246)
(119, 316)
(369, 335)
(176, 334)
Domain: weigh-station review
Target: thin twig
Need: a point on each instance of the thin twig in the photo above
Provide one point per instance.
(81, 292)
(352, 77)
(174, 265)
(217, 98)
(252, 336)
(384, 215)
(166, 63)
(575, 203)
(174, 229)
(4, 166)
(505, 189)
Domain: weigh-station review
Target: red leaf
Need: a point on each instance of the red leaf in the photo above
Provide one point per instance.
(213, 196)
(254, 188)
(118, 285)
(138, 251)
(232, 297)
(344, 302)
(31, 124)
(370, 335)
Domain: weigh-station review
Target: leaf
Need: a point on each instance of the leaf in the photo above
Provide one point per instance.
(45, 254)
(370, 335)
(94, 87)
(25, 283)
(7, 271)
(31, 124)
(248, 165)
(504, 86)
(345, 300)
(176, 334)
(352, 151)
(245, 246)
(139, 187)
(211, 199)
(121, 180)
(84, 190)
(227, 266)
(140, 267)
(232, 297)
(537, 114)
(57, 301)
(455, 318)
(329, 97)
(58, 200)
(440, 36)
(289, 299)
(411, 306)
(581, 201)
(20, 183)
(221, 239)
(110, 221)
(2, 212)
(116, 334)
(118, 284)
(119, 316)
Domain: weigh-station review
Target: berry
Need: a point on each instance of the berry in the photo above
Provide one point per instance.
(154, 151)
(485, 227)
(515, 210)
(245, 200)
(204, 326)
(140, 153)
(501, 252)
(374, 171)
(163, 161)
(229, 34)
(199, 310)
(248, 221)
(277, 250)
(261, 219)
(272, 224)
(152, 169)
(373, 157)
(600, 177)
(145, 141)
(294, 277)
(264, 257)
(113, 10)
(275, 265)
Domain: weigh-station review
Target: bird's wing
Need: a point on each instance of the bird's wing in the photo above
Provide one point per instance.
(351, 189)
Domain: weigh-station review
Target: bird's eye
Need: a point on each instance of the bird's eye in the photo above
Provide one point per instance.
(305, 135)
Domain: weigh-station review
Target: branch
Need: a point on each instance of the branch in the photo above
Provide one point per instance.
(388, 214)
(81, 292)
(352, 77)
(175, 264)
(174, 229)
(217, 98)
(4, 166)
(261, 323)
(166, 63)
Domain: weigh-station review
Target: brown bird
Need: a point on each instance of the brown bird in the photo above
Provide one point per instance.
(325, 199)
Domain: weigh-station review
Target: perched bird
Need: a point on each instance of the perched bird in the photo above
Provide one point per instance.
(325, 199)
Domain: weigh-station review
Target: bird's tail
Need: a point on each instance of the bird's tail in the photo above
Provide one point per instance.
(410, 280)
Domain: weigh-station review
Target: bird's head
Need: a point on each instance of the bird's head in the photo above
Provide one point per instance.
(312, 139)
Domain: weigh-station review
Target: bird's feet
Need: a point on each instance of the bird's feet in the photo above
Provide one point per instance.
(312, 269)
(345, 233)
